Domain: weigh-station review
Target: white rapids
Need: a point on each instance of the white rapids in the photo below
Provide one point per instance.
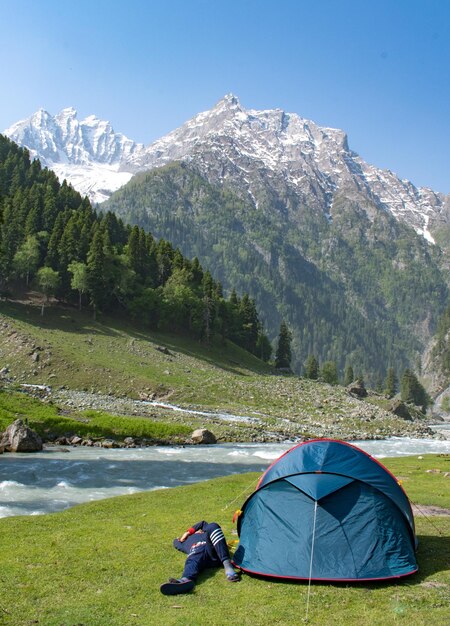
(58, 478)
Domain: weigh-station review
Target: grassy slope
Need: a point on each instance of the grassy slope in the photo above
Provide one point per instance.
(114, 357)
(100, 564)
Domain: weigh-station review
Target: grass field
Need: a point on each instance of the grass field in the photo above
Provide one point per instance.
(46, 419)
(101, 564)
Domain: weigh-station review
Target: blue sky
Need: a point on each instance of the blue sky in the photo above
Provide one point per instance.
(380, 70)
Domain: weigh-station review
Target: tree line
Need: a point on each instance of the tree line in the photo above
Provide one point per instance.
(53, 239)
(410, 388)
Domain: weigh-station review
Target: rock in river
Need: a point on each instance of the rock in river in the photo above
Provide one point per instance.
(19, 437)
(201, 435)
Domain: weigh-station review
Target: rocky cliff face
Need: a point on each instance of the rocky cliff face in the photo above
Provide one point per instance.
(258, 151)
(263, 154)
(436, 363)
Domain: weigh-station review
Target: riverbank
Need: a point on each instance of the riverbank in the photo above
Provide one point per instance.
(95, 419)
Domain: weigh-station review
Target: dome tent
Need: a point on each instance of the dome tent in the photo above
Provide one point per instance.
(326, 510)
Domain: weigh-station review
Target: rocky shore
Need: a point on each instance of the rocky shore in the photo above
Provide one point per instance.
(361, 420)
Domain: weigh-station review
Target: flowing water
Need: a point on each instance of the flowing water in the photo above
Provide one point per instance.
(58, 478)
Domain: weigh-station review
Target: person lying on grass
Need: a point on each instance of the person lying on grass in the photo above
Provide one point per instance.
(205, 546)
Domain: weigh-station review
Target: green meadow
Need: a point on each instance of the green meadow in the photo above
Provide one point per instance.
(47, 418)
(101, 564)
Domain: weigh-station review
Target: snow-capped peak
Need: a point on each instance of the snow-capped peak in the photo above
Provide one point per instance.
(68, 112)
(233, 145)
(88, 153)
(240, 147)
(229, 101)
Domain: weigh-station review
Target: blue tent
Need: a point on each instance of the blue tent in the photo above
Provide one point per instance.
(326, 510)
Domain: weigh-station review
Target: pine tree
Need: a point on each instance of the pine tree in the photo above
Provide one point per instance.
(263, 347)
(234, 300)
(164, 255)
(197, 271)
(250, 324)
(52, 259)
(178, 260)
(283, 355)
(133, 251)
(329, 373)
(96, 271)
(391, 383)
(219, 291)
(11, 236)
(349, 375)
(151, 278)
(312, 368)
(34, 222)
(208, 304)
(412, 391)
(223, 319)
(50, 208)
(69, 243)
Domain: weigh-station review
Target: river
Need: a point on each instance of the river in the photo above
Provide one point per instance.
(58, 478)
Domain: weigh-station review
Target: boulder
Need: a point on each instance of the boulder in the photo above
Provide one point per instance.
(399, 408)
(163, 349)
(19, 437)
(357, 389)
(201, 435)
(109, 443)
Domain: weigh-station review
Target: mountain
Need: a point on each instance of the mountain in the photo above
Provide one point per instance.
(246, 147)
(89, 154)
(362, 288)
(278, 207)
(230, 144)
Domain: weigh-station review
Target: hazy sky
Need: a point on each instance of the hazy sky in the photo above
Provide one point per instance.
(378, 69)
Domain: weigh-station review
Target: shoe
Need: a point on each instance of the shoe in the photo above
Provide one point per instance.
(233, 578)
(174, 587)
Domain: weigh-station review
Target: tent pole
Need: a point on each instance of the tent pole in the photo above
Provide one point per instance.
(311, 561)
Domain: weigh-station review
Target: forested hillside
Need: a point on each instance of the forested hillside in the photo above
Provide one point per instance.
(361, 289)
(441, 350)
(51, 239)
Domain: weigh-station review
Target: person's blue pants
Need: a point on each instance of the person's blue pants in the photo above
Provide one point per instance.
(211, 550)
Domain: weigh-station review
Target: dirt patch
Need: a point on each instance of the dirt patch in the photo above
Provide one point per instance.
(433, 584)
(428, 511)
